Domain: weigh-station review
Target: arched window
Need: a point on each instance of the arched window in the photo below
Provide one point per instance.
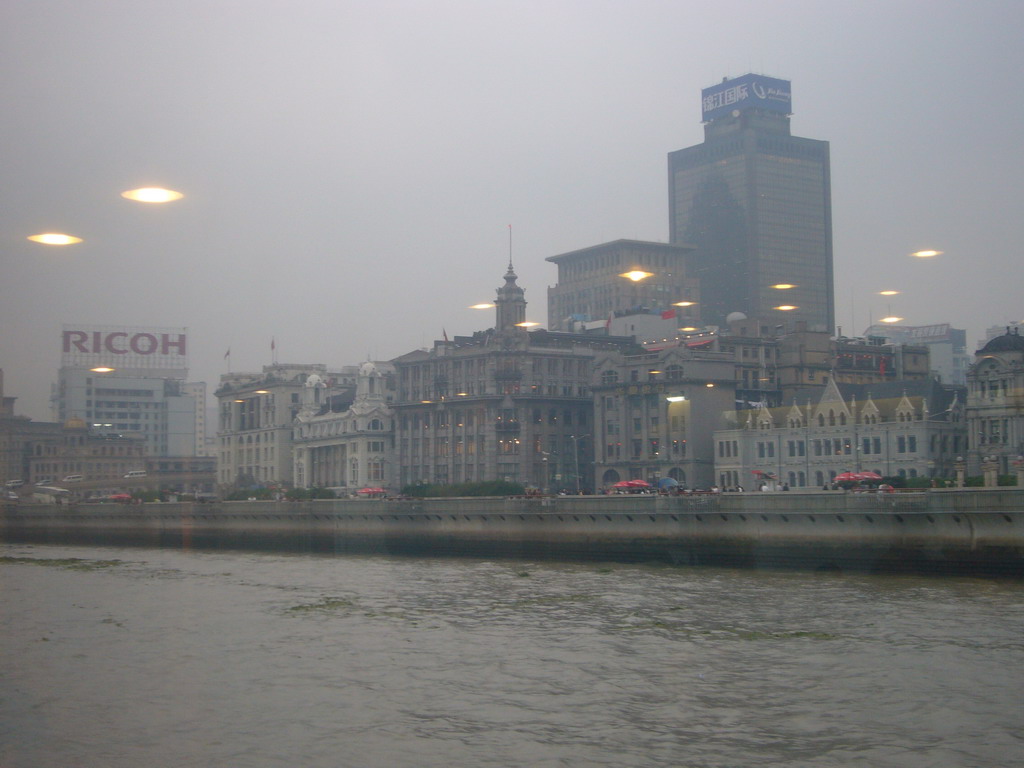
(821, 420)
(831, 418)
(842, 419)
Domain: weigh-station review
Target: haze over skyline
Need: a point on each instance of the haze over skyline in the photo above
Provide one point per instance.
(350, 170)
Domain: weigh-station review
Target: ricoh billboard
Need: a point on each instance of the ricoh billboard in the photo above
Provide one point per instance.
(747, 92)
(125, 348)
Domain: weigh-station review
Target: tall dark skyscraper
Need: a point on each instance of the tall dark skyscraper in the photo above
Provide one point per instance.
(755, 202)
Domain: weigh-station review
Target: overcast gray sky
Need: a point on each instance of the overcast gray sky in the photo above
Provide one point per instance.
(351, 168)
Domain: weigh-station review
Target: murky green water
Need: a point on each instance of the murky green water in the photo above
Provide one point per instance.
(141, 657)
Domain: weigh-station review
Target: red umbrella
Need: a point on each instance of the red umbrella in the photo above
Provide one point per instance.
(638, 483)
(847, 477)
(870, 476)
(623, 484)
(370, 490)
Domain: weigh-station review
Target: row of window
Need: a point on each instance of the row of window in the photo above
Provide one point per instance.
(837, 446)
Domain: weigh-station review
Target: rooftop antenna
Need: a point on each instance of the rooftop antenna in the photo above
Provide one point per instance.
(509, 247)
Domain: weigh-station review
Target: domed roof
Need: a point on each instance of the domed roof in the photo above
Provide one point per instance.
(732, 317)
(314, 380)
(1011, 341)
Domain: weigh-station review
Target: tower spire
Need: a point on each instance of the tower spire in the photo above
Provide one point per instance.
(510, 304)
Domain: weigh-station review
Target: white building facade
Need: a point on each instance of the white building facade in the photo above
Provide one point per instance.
(347, 448)
(256, 413)
(995, 406)
(901, 429)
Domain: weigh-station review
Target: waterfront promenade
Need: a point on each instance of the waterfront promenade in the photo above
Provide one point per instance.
(976, 531)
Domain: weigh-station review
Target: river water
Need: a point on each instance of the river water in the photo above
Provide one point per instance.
(160, 657)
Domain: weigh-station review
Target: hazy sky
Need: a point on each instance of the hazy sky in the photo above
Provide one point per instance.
(351, 168)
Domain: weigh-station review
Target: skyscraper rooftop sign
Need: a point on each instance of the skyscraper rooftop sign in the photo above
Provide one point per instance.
(747, 92)
(122, 347)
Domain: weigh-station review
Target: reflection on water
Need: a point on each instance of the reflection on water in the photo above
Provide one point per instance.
(132, 657)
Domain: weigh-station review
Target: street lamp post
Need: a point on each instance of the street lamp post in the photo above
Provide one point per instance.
(576, 454)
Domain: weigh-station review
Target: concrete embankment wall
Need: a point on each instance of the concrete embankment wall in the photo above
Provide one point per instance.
(977, 532)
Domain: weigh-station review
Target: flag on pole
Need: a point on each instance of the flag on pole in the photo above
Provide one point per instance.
(227, 354)
(445, 333)
(273, 345)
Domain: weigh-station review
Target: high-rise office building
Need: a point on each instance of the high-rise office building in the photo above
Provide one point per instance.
(624, 275)
(127, 380)
(755, 202)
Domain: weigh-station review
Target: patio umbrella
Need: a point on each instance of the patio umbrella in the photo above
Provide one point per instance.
(869, 476)
(369, 491)
(638, 483)
(623, 484)
(667, 482)
(847, 477)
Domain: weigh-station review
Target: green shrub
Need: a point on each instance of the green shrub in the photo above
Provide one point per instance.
(485, 488)
(304, 494)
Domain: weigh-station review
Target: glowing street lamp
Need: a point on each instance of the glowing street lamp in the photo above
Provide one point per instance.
(684, 304)
(482, 306)
(783, 286)
(527, 324)
(888, 293)
(926, 254)
(152, 195)
(54, 238)
(102, 369)
(891, 319)
(786, 307)
(636, 275)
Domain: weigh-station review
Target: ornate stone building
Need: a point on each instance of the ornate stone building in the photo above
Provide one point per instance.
(656, 412)
(995, 406)
(503, 404)
(255, 416)
(905, 428)
(347, 443)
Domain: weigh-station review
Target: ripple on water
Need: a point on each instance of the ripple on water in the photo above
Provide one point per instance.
(130, 657)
